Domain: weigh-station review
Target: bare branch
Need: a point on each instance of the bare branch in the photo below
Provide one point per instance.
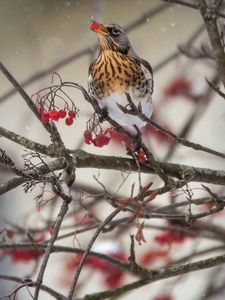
(156, 275)
(30, 283)
(188, 4)
(210, 15)
(23, 94)
(58, 222)
(28, 144)
(87, 251)
(87, 160)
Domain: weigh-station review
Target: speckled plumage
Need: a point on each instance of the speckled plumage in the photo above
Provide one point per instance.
(117, 71)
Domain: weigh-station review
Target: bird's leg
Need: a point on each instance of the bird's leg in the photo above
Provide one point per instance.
(103, 114)
(138, 139)
(137, 142)
(129, 150)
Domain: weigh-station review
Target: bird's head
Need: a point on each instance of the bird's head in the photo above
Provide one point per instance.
(111, 37)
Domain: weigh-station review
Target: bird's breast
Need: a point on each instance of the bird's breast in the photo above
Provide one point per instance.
(113, 72)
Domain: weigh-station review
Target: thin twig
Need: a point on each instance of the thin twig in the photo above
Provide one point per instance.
(57, 225)
(180, 140)
(23, 94)
(178, 52)
(188, 4)
(156, 275)
(31, 283)
(90, 244)
(210, 14)
(87, 160)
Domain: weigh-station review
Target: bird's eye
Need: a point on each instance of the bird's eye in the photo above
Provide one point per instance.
(115, 31)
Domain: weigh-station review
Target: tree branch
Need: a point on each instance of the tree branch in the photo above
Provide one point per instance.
(23, 94)
(30, 283)
(87, 251)
(210, 15)
(87, 160)
(27, 143)
(188, 4)
(57, 225)
(156, 275)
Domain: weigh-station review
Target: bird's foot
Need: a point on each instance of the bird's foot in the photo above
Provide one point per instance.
(137, 139)
(136, 145)
(103, 114)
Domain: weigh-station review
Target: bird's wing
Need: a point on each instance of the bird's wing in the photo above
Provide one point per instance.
(146, 65)
(90, 67)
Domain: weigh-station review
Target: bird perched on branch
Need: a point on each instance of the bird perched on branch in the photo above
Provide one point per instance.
(119, 71)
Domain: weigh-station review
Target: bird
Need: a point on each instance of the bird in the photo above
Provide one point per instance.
(116, 72)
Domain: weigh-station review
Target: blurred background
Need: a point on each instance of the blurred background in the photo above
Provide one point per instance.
(46, 36)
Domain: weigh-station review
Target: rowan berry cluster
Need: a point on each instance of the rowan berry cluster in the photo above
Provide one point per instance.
(99, 140)
(55, 115)
(103, 138)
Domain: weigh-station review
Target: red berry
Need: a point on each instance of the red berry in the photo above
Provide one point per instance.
(71, 114)
(62, 113)
(88, 137)
(45, 117)
(98, 142)
(69, 121)
(54, 115)
(141, 156)
(101, 140)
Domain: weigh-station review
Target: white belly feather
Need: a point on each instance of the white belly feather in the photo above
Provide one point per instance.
(122, 118)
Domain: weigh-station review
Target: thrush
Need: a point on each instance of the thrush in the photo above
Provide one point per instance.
(119, 71)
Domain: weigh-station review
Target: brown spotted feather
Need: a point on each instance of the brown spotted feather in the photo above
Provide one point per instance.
(115, 72)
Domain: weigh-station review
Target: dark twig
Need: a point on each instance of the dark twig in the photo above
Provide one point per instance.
(87, 251)
(30, 283)
(210, 14)
(178, 52)
(87, 160)
(215, 88)
(215, 287)
(23, 94)
(57, 225)
(28, 144)
(188, 4)
(201, 53)
(156, 275)
(180, 140)
(201, 107)
(186, 142)
(55, 136)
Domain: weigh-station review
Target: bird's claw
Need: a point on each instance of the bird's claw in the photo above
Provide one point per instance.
(103, 114)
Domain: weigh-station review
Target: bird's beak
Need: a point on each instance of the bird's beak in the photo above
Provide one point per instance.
(99, 28)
